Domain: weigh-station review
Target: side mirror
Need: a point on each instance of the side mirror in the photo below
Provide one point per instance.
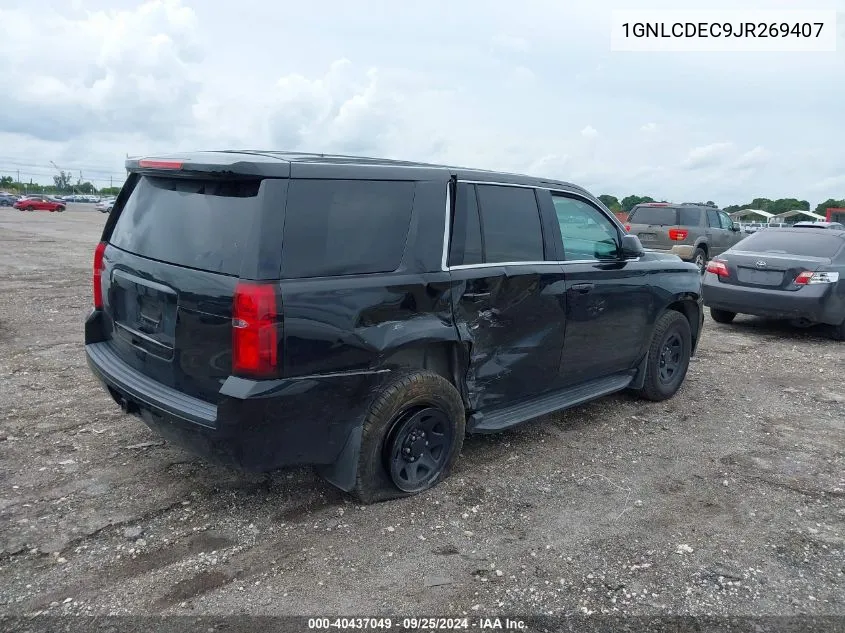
(630, 248)
(734, 228)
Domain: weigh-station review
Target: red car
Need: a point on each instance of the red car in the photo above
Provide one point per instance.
(39, 203)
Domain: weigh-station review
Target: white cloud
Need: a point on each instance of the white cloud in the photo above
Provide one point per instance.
(831, 183)
(110, 71)
(511, 43)
(415, 81)
(754, 158)
(707, 155)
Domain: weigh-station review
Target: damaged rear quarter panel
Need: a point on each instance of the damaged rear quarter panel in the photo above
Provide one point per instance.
(357, 323)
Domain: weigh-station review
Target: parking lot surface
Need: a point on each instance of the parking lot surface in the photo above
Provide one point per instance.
(727, 499)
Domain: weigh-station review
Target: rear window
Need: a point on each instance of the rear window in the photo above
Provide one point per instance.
(201, 224)
(803, 244)
(664, 216)
(345, 227)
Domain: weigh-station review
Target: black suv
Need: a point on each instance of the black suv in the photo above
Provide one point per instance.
(363, 315)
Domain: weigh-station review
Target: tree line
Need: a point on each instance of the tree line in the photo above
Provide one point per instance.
(774, 207)
(62, 184)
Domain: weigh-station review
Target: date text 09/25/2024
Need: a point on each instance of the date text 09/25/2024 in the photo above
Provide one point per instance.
(417, 624)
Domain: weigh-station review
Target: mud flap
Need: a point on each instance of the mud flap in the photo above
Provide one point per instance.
(343, 471)
(639, 377)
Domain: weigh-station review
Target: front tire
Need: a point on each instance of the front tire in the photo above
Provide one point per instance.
(699, 258)
(668, 357)
(722, 316)
(411, 438)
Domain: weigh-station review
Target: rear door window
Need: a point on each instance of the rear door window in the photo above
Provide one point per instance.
(510, 224)
(345, 227)
(661, 216)
(466, 229)
(202, 224)
(809, 244)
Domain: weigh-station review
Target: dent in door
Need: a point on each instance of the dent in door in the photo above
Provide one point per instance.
(504, 338)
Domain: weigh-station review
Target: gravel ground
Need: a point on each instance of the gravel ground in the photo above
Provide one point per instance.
(728, 499)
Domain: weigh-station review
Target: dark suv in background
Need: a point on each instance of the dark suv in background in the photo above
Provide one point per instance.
(694, 233)
(362, 315)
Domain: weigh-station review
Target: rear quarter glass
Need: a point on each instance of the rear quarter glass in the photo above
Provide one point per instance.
(689, 217)
(345, 227)
(201, 224)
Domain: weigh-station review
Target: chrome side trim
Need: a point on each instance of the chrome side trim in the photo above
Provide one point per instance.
(543, 263)
(502, 184)
(444, 265)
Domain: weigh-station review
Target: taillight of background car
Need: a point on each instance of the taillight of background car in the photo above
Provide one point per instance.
(809, 277)
(718, 268)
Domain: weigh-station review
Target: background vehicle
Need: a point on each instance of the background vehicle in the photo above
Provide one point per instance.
(39, 203)
(835, 215)
(7, 199)
(105, 205)
(362, 315)
(793, 274)
(693, 233)
(820, 225)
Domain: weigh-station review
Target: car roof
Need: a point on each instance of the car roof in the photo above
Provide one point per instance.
(307, 165)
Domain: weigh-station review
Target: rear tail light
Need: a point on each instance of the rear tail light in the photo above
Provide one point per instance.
(99, 265)
(678, 235)
(628, 228)
(718, 268)
(808, 277)
(254, 335)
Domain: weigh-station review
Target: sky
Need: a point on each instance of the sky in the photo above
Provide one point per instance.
(531, 87)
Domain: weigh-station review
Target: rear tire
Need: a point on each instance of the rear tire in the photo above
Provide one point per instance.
(699, 258)
(839, 332)
(416, 423)
(668, 357)
(722, 316)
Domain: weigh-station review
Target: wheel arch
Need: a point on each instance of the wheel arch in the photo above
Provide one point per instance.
(690, 307)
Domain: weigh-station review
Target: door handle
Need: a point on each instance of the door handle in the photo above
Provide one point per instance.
(476, 296)
(582, 288)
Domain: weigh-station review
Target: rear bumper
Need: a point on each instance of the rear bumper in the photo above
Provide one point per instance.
(817, 303)
(254, 425)
(681, 250)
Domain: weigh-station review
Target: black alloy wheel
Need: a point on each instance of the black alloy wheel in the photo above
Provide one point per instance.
(671, 356)
(418, 448)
